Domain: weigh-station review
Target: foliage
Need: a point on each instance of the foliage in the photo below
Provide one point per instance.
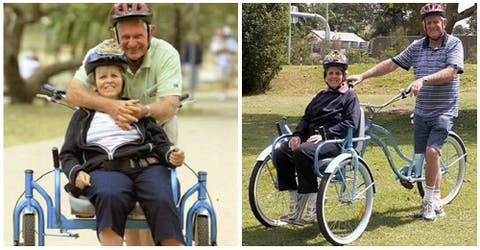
(356, 56)
(471, 56)
(264, 31)
(398, 43)
(472, 23)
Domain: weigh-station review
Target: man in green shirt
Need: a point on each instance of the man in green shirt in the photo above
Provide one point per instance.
(153, 81)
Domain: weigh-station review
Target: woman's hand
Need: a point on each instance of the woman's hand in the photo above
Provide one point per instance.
(83, 180)
(315, 139)
(294, 142)
(176, 158)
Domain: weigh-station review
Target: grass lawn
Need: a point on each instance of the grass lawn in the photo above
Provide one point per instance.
(392, 223)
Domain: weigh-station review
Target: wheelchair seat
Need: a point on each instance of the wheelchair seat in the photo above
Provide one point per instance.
(81, 207)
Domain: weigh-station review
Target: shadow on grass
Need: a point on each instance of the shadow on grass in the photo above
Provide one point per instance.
(259, 129)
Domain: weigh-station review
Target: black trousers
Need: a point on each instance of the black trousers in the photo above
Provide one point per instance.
(301, 161)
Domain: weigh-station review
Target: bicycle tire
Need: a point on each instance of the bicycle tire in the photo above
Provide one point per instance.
(266, 202)
(453, 153)
(28, 231)
(201, 232)
(341, 216)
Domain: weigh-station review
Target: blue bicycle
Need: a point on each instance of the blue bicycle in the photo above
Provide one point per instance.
(199, 218)
(347, 188)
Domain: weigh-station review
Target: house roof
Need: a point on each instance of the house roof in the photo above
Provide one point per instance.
(342, 36)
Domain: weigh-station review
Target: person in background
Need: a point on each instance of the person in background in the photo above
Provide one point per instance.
(192, 61)
(224, 47)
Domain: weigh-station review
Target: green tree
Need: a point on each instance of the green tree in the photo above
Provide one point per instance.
(264, 31)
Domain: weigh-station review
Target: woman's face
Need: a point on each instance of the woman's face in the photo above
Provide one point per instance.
(334, 77)
(108, 81)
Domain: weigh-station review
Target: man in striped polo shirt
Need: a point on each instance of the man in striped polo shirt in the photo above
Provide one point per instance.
(437, 61)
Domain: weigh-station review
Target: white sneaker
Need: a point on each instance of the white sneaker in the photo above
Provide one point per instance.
(293, 210)
(439, 211)
(429, 212)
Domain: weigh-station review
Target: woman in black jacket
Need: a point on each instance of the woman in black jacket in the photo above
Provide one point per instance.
(335, 108)
(116, 168)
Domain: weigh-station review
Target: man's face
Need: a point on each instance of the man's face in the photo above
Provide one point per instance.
(133, 38)
(434, 26)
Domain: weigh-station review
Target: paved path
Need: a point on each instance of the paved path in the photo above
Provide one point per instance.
(209, 140)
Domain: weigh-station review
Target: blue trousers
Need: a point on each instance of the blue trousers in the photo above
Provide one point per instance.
(114, 195)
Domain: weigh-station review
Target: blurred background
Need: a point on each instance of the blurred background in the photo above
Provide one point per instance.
(47, 43)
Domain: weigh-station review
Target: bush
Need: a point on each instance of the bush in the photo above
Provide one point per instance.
(359, 56)
(264, 31)
(471, 56)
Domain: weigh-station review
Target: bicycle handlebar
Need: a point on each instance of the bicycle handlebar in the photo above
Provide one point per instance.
(402, 95)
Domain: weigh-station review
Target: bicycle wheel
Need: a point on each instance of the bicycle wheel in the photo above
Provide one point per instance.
(345, 202)
(28, 231)
(201, 233)
(266, 202)
(452, 165)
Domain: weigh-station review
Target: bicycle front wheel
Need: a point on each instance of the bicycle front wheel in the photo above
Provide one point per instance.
(266, 202)
(345, 202)
(452, 165)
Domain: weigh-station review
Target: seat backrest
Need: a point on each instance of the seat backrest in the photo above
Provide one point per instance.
(361, 130)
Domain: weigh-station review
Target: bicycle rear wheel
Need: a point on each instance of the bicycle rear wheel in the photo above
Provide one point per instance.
(345, 202)
(452, 165)
(266, 202)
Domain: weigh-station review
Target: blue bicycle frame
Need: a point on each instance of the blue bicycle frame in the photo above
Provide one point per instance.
(55, 220)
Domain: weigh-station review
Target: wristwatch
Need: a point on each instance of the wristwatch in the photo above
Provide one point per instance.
(149, 111)
(424, 80)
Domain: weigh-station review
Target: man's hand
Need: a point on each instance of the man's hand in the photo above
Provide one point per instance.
(82, 180)
(354, 79)
(176, 158)
(315, 139)
(415, 87)
(294, 142)
(126, 112)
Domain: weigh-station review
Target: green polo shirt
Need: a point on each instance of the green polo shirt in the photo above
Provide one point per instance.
(161, 65)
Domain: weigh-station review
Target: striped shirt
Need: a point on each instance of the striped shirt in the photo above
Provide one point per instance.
(439, 98)
(104, 132)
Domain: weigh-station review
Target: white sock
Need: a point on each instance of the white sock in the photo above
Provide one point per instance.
(429, 197)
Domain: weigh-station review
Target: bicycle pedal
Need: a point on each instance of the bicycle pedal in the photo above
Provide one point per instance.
(406, 184)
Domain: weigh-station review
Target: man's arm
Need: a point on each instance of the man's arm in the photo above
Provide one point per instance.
(380, 69)
(121, 111)
(445, 75)
(164, 109)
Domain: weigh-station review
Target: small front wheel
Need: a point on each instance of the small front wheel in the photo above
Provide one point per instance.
(267, 203)
(345, 202)
(201, 232)
(28, 230)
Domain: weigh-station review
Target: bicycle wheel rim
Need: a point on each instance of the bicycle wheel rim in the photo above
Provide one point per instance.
(343, 218)
(266, 202)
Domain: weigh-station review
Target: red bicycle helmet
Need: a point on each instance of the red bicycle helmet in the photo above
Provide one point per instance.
(126, 10)
(432, 9)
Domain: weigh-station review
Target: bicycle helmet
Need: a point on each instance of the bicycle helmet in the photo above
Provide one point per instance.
(107, 53)
(335, 58)
(128, 10)
(432, 9)
(121, 11)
